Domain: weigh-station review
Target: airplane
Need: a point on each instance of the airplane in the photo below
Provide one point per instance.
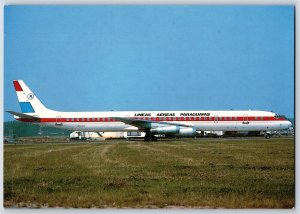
(153, 123)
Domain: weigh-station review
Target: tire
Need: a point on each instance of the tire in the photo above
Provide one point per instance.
(268, 136)
(147, 138)
(154, 138)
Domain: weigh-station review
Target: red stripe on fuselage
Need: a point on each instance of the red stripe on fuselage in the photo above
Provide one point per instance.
(28, 120)
(157, 119)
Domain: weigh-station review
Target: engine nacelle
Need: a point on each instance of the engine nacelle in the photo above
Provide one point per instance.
(186, 132)
(165, 130)
(175, 131)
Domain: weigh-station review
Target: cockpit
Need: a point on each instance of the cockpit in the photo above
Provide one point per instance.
(280, 116)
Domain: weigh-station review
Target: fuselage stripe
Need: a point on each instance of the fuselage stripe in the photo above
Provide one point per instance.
(159, 119)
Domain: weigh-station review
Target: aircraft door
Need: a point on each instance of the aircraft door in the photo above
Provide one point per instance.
(245, 119)
(58, 121)
(216, 119)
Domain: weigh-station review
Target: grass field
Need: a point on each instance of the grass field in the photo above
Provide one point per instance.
(234, 173)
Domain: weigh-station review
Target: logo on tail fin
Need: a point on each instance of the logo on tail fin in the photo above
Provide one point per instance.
(30, 96)
(29, 102)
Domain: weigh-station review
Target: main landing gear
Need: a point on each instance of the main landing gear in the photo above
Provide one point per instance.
(268, 135)
(149, 137)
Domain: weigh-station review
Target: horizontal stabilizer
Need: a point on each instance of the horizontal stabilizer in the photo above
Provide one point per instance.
(23, 116)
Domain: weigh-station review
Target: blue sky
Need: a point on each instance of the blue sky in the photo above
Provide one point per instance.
(98, 58)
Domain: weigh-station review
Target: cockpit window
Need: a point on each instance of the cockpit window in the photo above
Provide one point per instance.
(280, 116)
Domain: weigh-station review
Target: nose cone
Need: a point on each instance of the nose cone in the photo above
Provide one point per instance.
(287, 124)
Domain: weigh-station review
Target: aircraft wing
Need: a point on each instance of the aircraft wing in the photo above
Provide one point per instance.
(23, 116)
(146, 124)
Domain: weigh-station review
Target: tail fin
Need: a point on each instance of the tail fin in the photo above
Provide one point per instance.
(29, 103)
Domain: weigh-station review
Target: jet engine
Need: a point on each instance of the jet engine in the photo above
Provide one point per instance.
(186, 132)
(165, 130)
(175, 130)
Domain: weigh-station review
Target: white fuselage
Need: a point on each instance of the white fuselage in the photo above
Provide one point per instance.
(181, 123)
(200, 120)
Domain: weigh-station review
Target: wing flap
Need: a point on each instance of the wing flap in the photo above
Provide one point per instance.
(135, 122)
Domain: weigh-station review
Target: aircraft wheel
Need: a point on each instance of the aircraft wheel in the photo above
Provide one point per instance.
(268, 136)
(147, 137)
(154, 138)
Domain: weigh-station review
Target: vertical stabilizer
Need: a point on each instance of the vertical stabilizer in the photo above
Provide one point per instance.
(29, 103)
